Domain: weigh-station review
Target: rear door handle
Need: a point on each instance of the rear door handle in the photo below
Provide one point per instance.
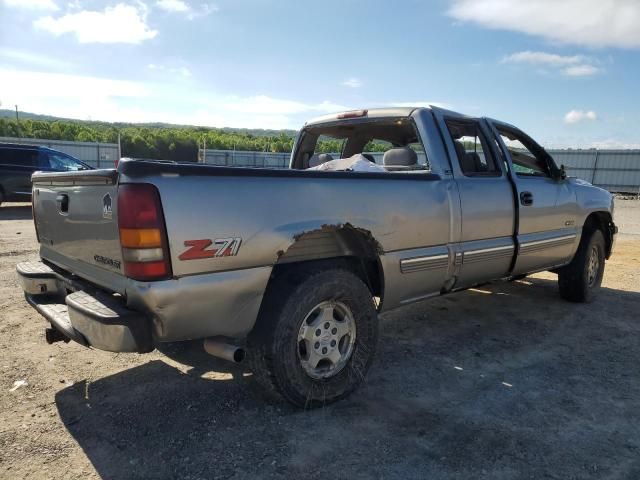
(63, 202)
(526, 198)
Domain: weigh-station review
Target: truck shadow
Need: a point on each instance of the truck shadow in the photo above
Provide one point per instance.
(15, 212)
(503, 379)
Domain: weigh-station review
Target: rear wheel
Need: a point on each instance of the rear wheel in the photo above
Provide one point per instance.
(315, 337)
(581, 279)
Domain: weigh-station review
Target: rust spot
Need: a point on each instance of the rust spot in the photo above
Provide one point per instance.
(366, 234)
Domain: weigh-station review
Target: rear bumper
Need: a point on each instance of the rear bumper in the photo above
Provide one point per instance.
(87, 316)
(193, 307)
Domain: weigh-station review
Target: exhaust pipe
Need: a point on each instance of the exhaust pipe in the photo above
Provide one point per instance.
(226, 351)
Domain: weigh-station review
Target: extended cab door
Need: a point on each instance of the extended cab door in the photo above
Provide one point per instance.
(486, 247)
(547, 207)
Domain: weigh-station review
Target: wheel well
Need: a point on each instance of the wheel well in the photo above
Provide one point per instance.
(601, 221)
(352, 248)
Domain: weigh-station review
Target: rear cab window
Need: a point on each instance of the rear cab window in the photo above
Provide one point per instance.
(393, 144)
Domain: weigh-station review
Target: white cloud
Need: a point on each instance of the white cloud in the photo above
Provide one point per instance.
(179, 6)
(580, 70)
(543, 58)
(31, 58)
(172, 5)
(569, 65)
(118, 24)
(32, 4)
(575, 116)
(263, 104)
(165, 100)
(597, 23)
(423, 104)
(184, 71)
(352, 82)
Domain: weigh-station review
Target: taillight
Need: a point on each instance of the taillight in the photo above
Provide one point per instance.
(143, 237)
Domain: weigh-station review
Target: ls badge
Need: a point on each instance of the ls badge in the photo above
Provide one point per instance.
(222, 247)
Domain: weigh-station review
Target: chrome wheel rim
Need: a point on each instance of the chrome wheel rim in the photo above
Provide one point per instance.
(326, 339)
(593, 267)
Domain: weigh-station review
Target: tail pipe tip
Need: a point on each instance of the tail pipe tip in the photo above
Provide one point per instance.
(226, 351)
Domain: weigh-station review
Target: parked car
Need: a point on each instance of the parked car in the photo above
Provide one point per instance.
(18, 162)
(294, 266)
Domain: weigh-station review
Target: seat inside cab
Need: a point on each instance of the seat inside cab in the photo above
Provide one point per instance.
(391, 143)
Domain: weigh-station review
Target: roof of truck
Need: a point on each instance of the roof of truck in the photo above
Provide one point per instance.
(369, 113)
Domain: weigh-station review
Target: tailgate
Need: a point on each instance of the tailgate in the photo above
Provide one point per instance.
(76, 219)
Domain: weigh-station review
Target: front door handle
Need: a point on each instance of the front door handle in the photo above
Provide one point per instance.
(526, 198)
(63, 202)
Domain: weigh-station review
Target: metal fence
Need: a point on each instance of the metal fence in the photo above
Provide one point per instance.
(99, 155)
(615, 170)
(241, 158)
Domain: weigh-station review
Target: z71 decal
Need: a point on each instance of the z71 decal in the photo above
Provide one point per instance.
(222, 247)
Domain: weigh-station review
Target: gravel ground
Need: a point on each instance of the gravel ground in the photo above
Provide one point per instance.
(503, 381)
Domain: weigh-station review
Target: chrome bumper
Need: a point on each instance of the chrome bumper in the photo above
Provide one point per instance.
(85, 315)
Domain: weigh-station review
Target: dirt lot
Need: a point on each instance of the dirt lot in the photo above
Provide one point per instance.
(504, 381)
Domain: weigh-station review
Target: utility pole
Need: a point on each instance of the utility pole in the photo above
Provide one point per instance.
(18, 121)
(119, 147)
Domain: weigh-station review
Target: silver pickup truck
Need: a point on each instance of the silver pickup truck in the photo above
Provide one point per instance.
(293, 266)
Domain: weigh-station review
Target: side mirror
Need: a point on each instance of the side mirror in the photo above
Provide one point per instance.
(559, 173)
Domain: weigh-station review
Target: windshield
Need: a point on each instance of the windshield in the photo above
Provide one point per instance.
(62, 162)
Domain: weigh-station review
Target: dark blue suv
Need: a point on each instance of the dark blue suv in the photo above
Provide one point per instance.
(18, 162)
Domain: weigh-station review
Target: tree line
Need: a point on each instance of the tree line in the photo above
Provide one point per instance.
(151, 141)
(162, 141)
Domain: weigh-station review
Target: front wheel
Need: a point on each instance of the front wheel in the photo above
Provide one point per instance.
(581, 279)
(315, 337)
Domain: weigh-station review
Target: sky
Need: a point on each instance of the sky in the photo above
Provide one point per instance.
(565, 71)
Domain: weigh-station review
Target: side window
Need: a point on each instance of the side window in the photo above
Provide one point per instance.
(472, 149)
(63, 163)
(527, 161)
(18, 156)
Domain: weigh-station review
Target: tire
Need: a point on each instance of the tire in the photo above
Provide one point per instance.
(283, 362)
(580, 280)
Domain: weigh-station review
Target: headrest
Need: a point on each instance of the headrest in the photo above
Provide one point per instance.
(460, 150)
(319, 159)
(404, 157)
